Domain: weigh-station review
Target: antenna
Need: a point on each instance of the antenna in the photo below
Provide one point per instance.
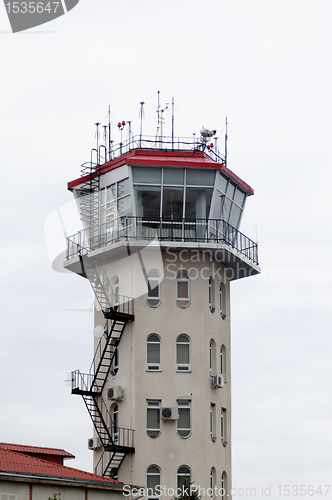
(141, 124)
(109, 132)
(105, 139)
(172, 123)
(226, 138)
(97, 135)
(129, 123)
(160, 117)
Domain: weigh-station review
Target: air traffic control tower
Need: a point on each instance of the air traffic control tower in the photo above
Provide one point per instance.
(160, 246)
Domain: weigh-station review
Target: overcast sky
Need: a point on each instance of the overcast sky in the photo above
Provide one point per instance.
(266, 65)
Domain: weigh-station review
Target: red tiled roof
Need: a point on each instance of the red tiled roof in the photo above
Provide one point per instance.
(36, 450)
(12, 461)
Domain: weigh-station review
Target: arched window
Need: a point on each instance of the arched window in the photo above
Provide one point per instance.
(182, 289)
(222, 301)
(224, 486)
(212, 482)
(223, 426)
(183, 474)
(183, 353)
(211, 295)
(213, 364)
(153, 418)
(153, 288)
(223, 361)
(183, 423)
(153, 479)
(115, 422)
(213, 422)
(116, 291)
(153, 352)
(115, 362)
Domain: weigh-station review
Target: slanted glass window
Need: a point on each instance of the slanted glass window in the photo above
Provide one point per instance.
(198, 202)
(211, 295)
(153, 479)
(183, 353)
(146, 175)
(153, 418)
(200, 177)
(173, 203)
(153, 353)
(147, 200)
(183, 473)
(182, 289)
(183, 422)
(153, 289)
(174, 176)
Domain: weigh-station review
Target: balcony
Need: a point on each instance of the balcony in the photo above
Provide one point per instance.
(225, 244)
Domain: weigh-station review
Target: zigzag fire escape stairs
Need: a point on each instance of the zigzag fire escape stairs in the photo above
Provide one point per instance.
(117, 311)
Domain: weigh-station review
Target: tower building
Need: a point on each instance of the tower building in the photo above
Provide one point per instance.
(160, 247)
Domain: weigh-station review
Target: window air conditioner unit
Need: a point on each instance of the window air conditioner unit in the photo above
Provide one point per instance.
(94, 443)
(169, 413)
(115, 392)
(217, 381)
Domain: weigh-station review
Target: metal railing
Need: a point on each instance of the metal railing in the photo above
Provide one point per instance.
(166, 143)
(173, 230)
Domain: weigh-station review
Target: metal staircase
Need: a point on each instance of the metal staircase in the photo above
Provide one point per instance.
(117, 310)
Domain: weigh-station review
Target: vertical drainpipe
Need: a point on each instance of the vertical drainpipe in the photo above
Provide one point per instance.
(30, 491)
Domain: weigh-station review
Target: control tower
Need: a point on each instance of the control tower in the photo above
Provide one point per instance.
(160, 247)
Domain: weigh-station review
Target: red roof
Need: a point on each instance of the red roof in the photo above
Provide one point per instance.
(162, 158)
(38, 450)
(19, 463)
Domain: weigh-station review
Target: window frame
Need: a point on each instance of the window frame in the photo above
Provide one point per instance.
(183, 302)
(223, 426)
(153, 298)
(186, 403)
(151, 366)
(115, 422)
(115, 362)
(152, 474)
(212, 295)
(153, 404)
(180, 475)
(222, 302)
(183, 367)
(213, 422)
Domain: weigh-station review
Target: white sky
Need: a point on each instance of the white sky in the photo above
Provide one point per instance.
(266, 65)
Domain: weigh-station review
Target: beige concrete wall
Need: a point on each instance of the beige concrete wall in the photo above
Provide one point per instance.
(169, 451)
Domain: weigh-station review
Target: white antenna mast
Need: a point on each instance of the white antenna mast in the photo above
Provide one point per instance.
(161, 120)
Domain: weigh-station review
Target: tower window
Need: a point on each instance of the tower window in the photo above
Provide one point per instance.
(212, 482)
(213, 422)
(182, 289)
(153, 418)
(222, 302)
(223, 428)
(153, 353)
(115, 422)
(211, 295)
(153, 479)
(153, 289)
(115, 362)
(183, 473)
(183, 353)
(223, 361)
(224, 486)
(213, 364)
(183, 422)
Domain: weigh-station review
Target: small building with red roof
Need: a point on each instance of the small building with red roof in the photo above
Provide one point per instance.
(38, 473)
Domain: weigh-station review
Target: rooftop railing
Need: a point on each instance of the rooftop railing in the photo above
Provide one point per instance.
(165, 143)
(130, 228)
